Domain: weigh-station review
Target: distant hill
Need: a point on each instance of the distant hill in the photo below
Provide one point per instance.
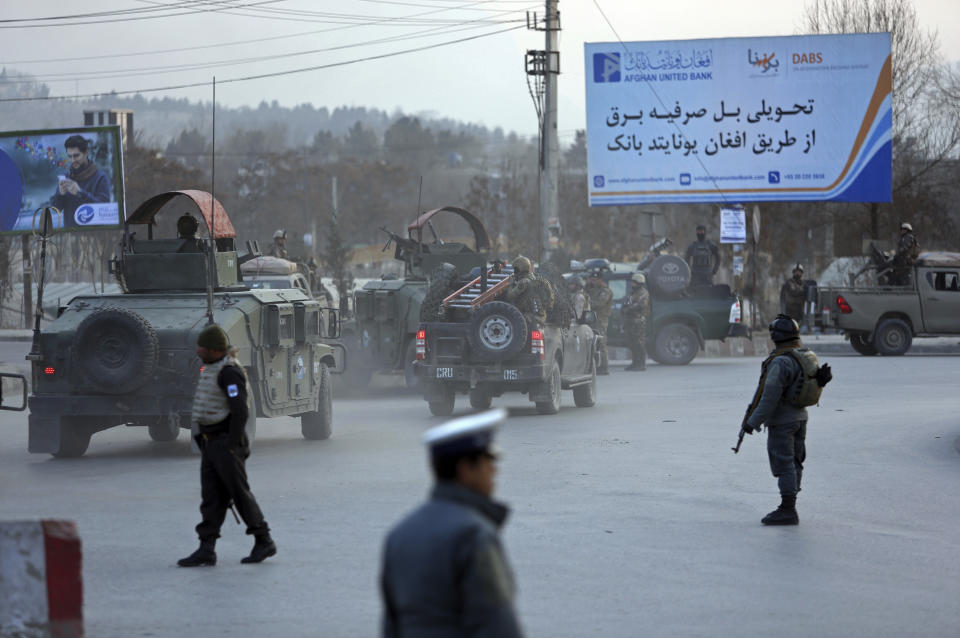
(158, 120)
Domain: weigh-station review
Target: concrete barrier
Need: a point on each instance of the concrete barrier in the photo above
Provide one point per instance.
(41, 584)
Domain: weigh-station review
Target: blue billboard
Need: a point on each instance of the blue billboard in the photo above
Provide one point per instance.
(796, 118)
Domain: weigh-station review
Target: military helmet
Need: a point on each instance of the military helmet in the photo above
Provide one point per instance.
(639, 278)
(597, 266)
(701, 227)
(522, 265)
(799, 267)
(906, 226)
(784, 328)
(576, 282)
(279, 234)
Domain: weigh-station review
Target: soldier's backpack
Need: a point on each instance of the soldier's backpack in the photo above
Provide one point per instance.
(544, 293)
(807, 390)
(702, 256)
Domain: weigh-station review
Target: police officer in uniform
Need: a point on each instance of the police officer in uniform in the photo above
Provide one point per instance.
(444, 570)
(793, 294)
(704, 259)
(220, 409)
(908, 249)
(786, 422)
(525, 292)
(601, 302)
(278, 247)
(636, 309)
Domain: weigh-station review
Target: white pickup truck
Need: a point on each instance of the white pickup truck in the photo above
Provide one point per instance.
(884, 319)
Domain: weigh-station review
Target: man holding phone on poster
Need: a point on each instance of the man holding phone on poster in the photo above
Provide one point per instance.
(86, 183)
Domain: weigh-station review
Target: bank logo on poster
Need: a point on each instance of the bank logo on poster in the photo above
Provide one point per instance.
(606, 67)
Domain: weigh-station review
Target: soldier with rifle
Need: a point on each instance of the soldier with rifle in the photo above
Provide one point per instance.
(791, 379)
(601, 302)
(908, 249)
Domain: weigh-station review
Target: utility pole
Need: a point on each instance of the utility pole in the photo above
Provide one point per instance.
(544, 66)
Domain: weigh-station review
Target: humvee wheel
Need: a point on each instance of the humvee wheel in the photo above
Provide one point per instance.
(444, 406)
(480, 399)
(553, 381)
(164, 430)
(318, 425)
(75, 433)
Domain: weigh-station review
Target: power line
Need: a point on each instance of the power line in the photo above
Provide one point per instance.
(177, 68)
(145, 17)
(264, 75)
(471, 6)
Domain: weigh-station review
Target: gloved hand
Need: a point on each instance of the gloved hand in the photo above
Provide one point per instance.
(824, 375)
(749, 429)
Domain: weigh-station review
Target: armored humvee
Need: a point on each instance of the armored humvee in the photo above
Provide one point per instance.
(130, 358)
(388, 311)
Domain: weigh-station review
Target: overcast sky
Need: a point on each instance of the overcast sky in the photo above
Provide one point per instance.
(481, 80)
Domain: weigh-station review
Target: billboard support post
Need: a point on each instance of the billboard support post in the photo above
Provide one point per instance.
(27, 281)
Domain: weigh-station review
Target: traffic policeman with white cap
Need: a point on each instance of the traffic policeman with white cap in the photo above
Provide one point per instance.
(445, 571)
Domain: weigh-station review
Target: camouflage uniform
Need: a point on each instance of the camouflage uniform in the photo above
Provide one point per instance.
(636, 309)
(792, 295)
(601, 302)
(524, 293)
(908, 249)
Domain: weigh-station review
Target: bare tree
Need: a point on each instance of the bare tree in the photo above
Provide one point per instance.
(926, 121)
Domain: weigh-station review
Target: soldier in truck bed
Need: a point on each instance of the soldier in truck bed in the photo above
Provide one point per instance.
(703, 257)
(527, 293)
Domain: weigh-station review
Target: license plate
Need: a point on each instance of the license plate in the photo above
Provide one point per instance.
(444, 373)
(511, 375)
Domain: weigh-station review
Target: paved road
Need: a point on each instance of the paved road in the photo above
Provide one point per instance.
(629, 519)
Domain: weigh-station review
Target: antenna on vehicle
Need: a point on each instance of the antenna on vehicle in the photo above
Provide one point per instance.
(212, 261)
(419, 199)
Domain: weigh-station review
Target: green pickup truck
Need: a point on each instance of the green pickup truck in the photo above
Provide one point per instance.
(679, 324)
(883, 319)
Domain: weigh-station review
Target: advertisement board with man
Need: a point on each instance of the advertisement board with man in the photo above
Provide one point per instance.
(796, 118)
(77, 171)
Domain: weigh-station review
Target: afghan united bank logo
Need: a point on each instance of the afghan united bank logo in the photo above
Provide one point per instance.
(606, 67)
(598, 181)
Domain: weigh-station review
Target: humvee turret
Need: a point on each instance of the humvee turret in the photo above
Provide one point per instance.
(130, 359)
(388, 311)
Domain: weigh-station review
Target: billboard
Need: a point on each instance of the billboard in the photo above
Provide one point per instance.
(79, 171)
(791, 118)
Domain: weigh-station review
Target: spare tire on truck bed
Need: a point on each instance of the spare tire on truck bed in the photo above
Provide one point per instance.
(497, 330)
(442, 280)
(668, 275)
(116, 350)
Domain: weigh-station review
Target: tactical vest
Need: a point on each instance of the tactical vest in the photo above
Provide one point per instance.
(702, 256)
(209, 401)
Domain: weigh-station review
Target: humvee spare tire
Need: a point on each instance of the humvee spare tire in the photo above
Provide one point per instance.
(442, 280)
(668, 274)
(116, 350)
(497, 331)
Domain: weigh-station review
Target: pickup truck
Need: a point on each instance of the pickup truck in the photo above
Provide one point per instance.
(884, 319)
(679, 324)
(486, 349)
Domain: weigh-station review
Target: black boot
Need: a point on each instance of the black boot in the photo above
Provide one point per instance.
(786, 514)
(204, 556)
(264, 547)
